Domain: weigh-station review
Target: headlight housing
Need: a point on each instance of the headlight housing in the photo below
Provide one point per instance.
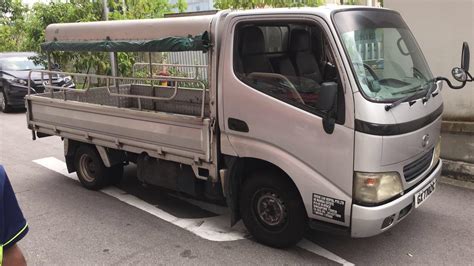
(437, 152)
(66, 81)
(374, 188)
(19, 81)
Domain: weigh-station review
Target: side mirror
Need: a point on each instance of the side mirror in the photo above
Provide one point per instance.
(459, 74)
(327, 104)
(56, 66)
(465, 57)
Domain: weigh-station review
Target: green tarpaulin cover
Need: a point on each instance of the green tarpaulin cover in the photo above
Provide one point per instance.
(169, 44)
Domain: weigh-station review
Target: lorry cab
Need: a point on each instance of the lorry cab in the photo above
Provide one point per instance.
(311, 91)
(324, 116)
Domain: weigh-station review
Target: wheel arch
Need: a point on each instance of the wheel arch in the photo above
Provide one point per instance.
(239, 169)
(110, 157)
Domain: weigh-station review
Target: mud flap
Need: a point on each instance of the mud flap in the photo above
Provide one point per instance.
(232, 184)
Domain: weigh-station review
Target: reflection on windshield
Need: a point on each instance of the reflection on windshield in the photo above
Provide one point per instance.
(387, 62)
(19, 63)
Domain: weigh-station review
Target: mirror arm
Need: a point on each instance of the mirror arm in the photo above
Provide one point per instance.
(469, 76)
(450, 84)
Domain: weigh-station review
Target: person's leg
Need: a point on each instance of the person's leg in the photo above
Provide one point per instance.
(13, 257)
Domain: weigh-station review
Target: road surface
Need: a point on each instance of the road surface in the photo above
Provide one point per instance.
(132, 224)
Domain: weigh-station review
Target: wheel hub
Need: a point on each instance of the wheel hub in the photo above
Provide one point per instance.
(271, 209)
(88, 167)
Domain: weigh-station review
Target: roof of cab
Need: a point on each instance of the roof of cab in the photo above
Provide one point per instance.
(152, 29)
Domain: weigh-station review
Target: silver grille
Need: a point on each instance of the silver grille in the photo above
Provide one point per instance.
(414, 169)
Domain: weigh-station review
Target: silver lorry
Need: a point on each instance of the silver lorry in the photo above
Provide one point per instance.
(328, 117)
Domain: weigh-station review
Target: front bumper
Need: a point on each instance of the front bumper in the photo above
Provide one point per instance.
(368, 221)
(16, 95)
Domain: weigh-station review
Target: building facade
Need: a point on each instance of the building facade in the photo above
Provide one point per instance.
(441, 27)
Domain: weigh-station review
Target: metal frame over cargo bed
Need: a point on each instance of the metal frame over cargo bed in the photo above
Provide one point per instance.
(166, 122)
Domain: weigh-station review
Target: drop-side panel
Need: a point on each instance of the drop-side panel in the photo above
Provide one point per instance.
(180, 135)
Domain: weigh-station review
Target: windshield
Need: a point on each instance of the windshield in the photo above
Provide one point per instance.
(386, 60)
(18, 63)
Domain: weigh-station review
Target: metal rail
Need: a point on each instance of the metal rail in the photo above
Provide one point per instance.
(111, 81)
(150, 66)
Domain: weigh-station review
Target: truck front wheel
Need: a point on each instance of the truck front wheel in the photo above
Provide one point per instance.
(91, 171)
(272, 210)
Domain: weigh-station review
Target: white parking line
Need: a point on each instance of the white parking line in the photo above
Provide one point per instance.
(214, 228)
(310, 246)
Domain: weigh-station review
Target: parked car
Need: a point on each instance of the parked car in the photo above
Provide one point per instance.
(14, 73)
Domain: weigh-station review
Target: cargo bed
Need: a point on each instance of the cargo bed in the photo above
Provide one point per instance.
(168, 122)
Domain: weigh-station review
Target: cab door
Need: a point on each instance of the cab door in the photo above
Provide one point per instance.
(276, 74)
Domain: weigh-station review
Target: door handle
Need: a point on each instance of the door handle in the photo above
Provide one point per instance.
(237, 125)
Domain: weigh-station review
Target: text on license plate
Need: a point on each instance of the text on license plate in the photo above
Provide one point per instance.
(424, 193)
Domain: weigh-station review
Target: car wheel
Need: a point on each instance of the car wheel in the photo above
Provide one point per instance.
(90, 169)
(272, 210)
(4, 107)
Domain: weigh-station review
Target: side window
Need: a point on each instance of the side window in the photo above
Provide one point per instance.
(291, 62)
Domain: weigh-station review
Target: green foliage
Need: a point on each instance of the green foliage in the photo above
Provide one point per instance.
(43, 14)
(249, 4)
(23, 29)
(12, 24)
(11, 11)
(138, 9)
(125, 63)
(350, 2)
(181, 5)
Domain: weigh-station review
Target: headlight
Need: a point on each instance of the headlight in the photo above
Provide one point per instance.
(20, 81)
(437, 151)
(372, 188)
(66, 81)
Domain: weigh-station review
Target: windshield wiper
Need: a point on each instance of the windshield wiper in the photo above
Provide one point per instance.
(428, 92)
(401, 100)
(412, 96)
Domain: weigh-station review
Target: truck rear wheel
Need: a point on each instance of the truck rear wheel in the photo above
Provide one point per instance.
(272, 210)
(92, 172)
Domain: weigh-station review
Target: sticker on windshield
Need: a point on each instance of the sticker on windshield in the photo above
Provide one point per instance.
(328, 207)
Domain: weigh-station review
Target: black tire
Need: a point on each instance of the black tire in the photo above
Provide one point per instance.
(4, 107)
(272, 210)
(90, 169)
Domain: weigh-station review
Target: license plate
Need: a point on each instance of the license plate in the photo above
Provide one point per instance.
(425, 193)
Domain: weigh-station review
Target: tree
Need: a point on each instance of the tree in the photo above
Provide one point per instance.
(12, 23)
(43, 14)
(249, 4)
(141, 9)
(181, 5)
(23, 29)
(138, 9)
(12, 10)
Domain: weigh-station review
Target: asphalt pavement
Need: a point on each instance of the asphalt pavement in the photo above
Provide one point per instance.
(132, 224)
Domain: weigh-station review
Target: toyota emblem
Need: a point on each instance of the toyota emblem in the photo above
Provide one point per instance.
(425, 140)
